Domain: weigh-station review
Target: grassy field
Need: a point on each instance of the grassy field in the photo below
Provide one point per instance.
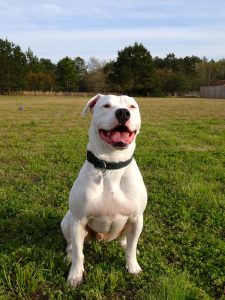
(181, 153)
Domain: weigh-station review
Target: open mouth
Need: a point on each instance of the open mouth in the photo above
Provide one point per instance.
(119, 137)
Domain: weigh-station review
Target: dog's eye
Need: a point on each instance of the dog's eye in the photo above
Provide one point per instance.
(107, 106)
(132, 106)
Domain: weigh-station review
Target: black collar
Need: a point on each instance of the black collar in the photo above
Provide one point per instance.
(104, 165)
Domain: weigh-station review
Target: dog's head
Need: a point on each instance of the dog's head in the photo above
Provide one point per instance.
(116, 120)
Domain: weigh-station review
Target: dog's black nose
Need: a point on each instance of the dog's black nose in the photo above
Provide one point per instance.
(122, 115)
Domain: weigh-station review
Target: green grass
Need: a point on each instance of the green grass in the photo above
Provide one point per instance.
(181, 153)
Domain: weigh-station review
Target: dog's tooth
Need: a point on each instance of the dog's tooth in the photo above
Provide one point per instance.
(108, 133)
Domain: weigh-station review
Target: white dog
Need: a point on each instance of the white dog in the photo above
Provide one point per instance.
(108, 198)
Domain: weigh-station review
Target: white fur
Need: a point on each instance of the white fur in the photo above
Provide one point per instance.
(110, 204)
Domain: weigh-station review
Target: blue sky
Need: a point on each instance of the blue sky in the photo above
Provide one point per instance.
(58, 28)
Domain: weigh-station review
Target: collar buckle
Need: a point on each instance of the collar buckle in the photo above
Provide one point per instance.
(100, 164)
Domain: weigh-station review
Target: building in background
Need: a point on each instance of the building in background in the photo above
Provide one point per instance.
(215, 90)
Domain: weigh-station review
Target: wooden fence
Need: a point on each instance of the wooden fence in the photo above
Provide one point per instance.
(212, 91)
(49, 93)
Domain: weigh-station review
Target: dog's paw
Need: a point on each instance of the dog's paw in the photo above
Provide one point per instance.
(133, 267)
(75, 278)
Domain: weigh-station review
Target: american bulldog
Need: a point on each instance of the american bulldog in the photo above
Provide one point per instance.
(108, 197)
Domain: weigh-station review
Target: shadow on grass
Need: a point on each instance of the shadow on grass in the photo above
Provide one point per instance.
(29, 228)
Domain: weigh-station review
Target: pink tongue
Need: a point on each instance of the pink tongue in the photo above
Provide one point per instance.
(118, 137)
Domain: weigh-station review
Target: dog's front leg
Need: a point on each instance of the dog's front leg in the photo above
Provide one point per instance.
(133, 231)
(78, 233)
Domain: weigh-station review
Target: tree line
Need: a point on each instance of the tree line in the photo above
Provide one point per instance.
(134, 72)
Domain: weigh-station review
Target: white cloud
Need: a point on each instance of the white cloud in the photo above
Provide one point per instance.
(52, 9)
(106, 43)
(56, 28)
(83, 14)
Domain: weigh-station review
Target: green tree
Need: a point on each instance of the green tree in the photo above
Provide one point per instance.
(67, 75)
(39, 81)
(176, 83)
(220, 70)
(132, 72)
(33, 63)
(175, 75)
(190, 63)
(12, 67)
(210, 71)
(48, 69)
(40, 73)
(168, 82)
(81, 70)
(47, 66)
(159, 63)
(173, 63)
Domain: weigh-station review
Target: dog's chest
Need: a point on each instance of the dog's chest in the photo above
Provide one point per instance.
(113, 198)
(111, 208)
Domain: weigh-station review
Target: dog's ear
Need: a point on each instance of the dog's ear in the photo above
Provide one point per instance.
(91, 103)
